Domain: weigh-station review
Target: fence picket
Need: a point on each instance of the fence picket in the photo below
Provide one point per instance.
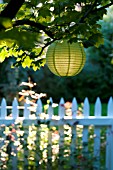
(26, 150)
(39, 107)
(49, 147)
(109, 135)
(14, 149)
(61, 111)
(86, 112)
(98, 108)
(3, 109)
(37, 143)
(74, 108)
(15, 115)
(97, 130)
(2, 126)
(110, 107)
(26, 111)
(15, 111)
(111, 144)
(26, 134)
(50, 109)
(73, 136)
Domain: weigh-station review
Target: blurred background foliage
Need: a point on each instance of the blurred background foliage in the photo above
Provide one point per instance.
(95, 80)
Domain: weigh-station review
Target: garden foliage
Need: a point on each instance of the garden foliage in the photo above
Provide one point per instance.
(37, 147)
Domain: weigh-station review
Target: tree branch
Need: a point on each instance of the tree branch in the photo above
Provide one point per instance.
(34, 24)
(103, 7)
(12, 8)
(48, 43)
(88, 12)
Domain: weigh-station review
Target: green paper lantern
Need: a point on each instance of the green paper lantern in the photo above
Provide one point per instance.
(65, 59)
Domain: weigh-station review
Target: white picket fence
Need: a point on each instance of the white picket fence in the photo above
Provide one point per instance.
(73, 121)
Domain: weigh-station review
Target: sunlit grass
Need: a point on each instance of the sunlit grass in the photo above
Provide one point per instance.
(104, 109)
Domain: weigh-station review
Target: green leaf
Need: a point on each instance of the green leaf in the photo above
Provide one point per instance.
(3, 54)
(27, 62)
(44, 12)
(98, 39)
(6, 22)
(24, 39)
(34, 2)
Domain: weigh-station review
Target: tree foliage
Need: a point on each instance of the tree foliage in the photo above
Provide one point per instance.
(95, 80)
(27, 27)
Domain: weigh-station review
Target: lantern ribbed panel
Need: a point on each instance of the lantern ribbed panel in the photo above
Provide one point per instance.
(65, 59)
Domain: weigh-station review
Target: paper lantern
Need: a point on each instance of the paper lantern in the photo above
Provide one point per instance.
(65, 59)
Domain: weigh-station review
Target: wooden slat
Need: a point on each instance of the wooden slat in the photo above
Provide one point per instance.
(86, 113)
(49, 147)
(80, 121)
(110, 108)
(74, 107)
(109, 136)
(37, 151)
(97, 130)
(73, 135)
(26, 111)
(61, 112)
(26, 150)
(2, 143)
(61, 109)
(3, 109)
(111, 151)
(86, 108)
(50, 109)
(15, 111)
(14, 149)
(49, 150)
(39, 108)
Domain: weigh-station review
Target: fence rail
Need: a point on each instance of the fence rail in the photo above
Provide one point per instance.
(72, 133)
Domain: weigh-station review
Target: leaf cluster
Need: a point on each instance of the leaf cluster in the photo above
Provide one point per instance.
(35, 24)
